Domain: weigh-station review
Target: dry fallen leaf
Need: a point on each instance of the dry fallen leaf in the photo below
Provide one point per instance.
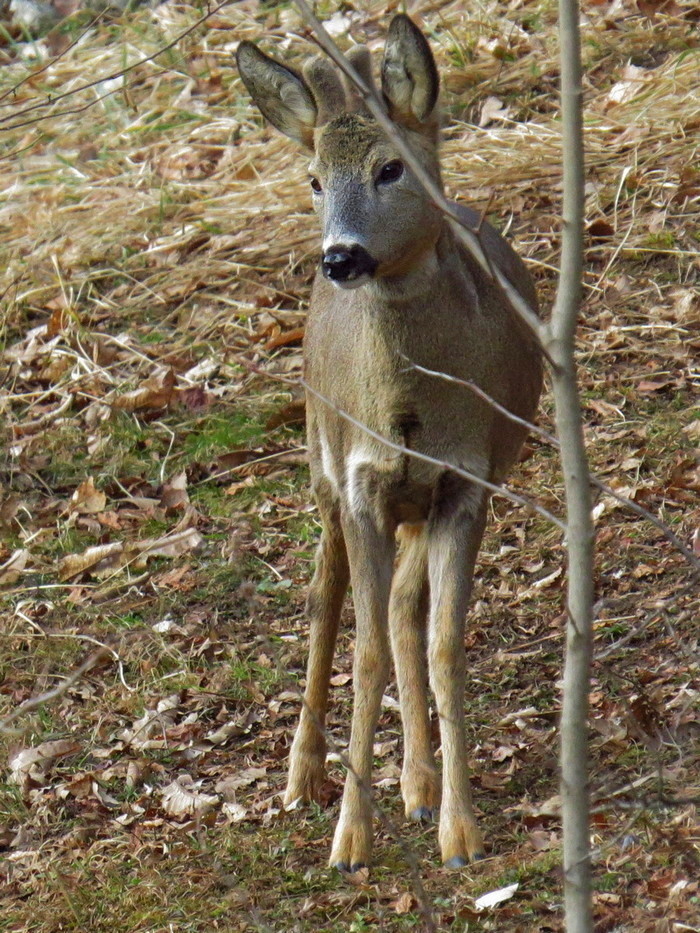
(182, 799)
(340, 680)
(154, 393)
(78, 786)
(136, 772)
(171, 545)
(359, 878)
(338, 24)
(235, 812)
(31, 765)
(224, 733)
(543, 841)
(245, 778)
(13, 567)
(650, 8)
(174, 493)
(103, 559)
(492, 898)
(293, 412)
(98, 560)
(87, 500)
(493, 109)
(634, 79)
(405, 903)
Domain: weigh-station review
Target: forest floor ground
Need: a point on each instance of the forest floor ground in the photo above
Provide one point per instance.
(157, 531)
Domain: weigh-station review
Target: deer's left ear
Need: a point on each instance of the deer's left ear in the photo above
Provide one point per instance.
(410, 80)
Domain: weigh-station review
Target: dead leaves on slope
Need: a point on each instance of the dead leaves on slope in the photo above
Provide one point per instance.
(107, 559)
(65, 378)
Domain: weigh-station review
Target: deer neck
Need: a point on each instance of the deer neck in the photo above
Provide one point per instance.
(418, 276)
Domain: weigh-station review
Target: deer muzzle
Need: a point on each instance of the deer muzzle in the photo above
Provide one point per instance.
(348, 266)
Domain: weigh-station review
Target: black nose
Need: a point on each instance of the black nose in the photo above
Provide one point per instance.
(343, 264)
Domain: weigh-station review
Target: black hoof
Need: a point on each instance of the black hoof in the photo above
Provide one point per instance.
(456, 862)
(348, 869)
(422, 814)
(478, 857)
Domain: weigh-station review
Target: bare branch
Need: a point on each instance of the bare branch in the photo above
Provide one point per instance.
(417, 455)
(117, 74)
(434, 461)
(42, 698)
(649, 517)
(646, 514)
(640, 627)
(580, 533)
(30, 76)
(477, 390)
(59, 113)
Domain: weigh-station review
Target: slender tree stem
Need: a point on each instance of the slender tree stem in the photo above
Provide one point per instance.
(579, 534)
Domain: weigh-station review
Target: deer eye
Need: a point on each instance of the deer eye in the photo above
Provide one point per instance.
(315, 184)
(392, 171)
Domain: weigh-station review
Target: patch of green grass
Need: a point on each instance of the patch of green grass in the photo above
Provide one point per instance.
(213, 501)
(127, 620)
(244, 673)
(222, 432)
(12, 807)
(665, 239)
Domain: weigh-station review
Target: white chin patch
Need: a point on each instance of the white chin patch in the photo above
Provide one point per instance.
(349, 284)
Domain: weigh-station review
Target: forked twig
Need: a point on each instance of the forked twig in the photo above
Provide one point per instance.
(630, 504)
(417, 455)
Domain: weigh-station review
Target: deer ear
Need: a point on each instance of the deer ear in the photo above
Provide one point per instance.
(280, 93)
(410, 80)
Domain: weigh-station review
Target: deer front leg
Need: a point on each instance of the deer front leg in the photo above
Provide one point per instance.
(455, 535)
(408, 610)
(307, 759)
(371, 556)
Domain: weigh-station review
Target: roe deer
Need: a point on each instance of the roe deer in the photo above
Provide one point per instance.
(394, 284)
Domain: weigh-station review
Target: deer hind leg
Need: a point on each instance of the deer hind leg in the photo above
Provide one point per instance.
(371, 554)
(324, 604)
(455, 532)
(408, 614)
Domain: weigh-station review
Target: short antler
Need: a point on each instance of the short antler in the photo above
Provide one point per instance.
(333, 92)
(324, 84)
(360, 58)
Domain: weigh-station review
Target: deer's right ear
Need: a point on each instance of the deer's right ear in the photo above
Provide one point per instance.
(280, 93)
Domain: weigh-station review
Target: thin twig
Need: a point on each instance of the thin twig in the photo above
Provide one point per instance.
(30, 76)
(116, 74)
(646, 514)
(434, 461)
(477, 390)
(78, 637)
(250, 463)
(42, 698)
(417, 455)
(639, 628)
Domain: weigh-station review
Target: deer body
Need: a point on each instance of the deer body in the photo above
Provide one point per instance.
(359, 346)
(396, 288)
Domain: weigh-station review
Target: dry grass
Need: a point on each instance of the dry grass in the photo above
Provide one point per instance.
(160, 227)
